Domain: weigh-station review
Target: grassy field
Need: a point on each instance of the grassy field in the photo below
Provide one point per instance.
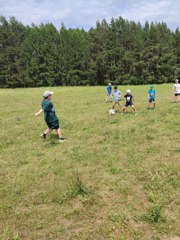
(116, 177)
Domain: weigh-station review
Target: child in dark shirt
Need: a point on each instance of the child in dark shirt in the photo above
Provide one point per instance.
(129, 101)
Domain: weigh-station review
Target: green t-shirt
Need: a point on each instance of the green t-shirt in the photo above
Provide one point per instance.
(49, 112)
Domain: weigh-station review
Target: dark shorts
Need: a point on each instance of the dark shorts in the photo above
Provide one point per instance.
(177, 94)
(53, 125)
(151, 100)
(128, 104)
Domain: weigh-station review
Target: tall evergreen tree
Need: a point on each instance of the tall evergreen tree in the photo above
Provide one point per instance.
(11, 36)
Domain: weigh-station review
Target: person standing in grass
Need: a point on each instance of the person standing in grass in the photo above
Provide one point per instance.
(129, 101)
(116, 94)
(152, 97)
(49, 116)
(176, 89)
(109, 93)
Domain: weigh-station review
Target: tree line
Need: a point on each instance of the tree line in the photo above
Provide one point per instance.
(122, 52)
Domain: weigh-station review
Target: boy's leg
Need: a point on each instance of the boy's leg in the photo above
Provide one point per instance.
(119, 106)
(175, 98)
(124, 108)
(48, 130)
(59, 132)
(60, 135)
(148, 104)
(133, 108)
(113, 106)
(154, 104)
(107, 97)
(178, 100)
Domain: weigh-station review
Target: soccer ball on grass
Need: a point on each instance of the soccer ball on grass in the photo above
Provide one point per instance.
(111, 112)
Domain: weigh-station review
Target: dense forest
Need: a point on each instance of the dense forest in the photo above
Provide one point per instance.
(122, 52)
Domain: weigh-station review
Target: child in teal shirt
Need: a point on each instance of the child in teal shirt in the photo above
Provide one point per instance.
(152, 96)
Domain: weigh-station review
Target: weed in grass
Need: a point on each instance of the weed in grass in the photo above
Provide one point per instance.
(154, 215)
(132, 130)
(177, 150)
(75, 189)
(116, 170)
(149, 137)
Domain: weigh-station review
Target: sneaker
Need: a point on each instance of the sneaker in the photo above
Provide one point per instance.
(43, 136)
(61, 139)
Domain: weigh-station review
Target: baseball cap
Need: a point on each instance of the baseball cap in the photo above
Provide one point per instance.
(152, 86)
(115, 87)
(47, 94)
(128, 91)
(109, 84)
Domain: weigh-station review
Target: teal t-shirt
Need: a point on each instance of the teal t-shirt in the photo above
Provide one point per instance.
(49, 112)
(152, 93)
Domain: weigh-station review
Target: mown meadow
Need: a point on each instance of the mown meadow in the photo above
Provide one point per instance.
(115, 177)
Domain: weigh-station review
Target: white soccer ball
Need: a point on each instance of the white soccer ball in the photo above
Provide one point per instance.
(111, 112)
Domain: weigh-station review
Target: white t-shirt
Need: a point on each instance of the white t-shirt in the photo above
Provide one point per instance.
(176, 88)
(116, 96)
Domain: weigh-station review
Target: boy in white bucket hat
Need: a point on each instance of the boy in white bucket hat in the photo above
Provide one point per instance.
(49, 116)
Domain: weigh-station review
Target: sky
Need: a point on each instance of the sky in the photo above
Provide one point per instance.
(85, 13)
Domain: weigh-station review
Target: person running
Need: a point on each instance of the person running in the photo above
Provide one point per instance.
(129, 101)
(116, 94)
(152, 97)
(109, 93)
(49, 116)
(176, 89)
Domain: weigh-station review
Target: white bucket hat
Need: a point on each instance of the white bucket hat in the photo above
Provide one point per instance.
(47, 94)
(128, 91)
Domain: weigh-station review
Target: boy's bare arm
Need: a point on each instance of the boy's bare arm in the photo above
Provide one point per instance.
(39, 112)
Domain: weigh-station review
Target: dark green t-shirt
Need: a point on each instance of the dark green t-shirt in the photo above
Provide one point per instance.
(49, 112)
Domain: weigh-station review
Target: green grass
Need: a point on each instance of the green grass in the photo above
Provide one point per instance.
(116, 177)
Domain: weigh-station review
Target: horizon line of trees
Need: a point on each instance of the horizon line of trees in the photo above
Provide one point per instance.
(121, 52)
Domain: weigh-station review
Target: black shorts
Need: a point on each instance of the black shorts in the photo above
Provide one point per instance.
(53, 125)
(151, 100)
(177, 94)
(128, 104)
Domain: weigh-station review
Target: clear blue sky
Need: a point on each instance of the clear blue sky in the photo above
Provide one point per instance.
(85, 13)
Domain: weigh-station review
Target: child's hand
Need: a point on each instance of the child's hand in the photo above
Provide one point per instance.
(38, 113)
